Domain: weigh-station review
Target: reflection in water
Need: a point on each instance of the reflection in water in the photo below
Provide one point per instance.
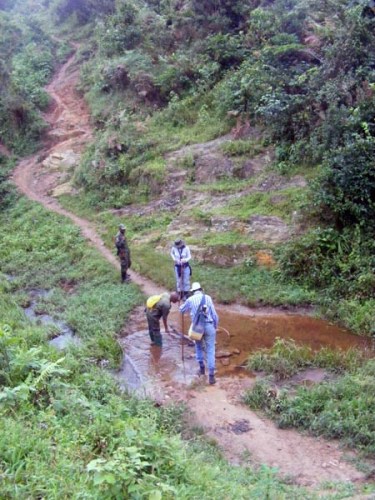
(246, 335)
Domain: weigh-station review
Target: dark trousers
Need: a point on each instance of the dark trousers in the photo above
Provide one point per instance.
(154, 328)
(124, 269)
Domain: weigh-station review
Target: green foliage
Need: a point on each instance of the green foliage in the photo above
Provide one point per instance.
(84, 10)
(7, 189)
(339, 264)
(31, 71)
(26, 64)
(346, 187)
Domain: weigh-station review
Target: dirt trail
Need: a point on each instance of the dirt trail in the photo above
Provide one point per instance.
(217, 408)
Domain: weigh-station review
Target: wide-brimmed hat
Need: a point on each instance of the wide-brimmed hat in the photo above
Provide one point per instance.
(122, 227)
(195, 286)
(178, 242)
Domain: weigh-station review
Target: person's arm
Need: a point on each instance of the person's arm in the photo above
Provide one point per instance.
(165, 317)
(184, 307)
(165, 325)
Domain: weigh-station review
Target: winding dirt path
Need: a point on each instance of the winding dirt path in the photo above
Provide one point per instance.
(217, 409)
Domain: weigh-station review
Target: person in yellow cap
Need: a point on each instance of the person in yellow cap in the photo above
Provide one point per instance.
(200, 304)
(158, 307)
(123, 253)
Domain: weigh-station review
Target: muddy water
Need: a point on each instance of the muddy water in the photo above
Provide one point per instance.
(249, 334)
(238, 336)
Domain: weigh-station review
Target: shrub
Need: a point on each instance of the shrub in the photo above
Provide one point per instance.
(346, 187)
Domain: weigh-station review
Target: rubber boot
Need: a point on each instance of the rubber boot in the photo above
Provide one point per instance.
(211, 379)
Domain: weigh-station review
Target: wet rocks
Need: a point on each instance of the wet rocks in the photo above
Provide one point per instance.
(223, 354)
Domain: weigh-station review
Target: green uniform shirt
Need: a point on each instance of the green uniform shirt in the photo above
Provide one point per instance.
(162, 307)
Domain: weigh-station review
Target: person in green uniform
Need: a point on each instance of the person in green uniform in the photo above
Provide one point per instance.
(123, 253)
(158, 307)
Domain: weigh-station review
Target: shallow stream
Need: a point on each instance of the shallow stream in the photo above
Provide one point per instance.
(238, 336)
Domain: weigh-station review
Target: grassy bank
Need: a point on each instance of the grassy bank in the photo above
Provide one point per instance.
(342, 407)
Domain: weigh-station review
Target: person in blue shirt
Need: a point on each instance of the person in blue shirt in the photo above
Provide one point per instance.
(211, 321)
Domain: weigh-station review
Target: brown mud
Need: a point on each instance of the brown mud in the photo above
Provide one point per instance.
(169, 373)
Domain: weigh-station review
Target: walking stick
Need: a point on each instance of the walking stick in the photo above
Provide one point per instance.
(182, 328)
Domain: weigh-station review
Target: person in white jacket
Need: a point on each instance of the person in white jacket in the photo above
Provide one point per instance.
(181, 256)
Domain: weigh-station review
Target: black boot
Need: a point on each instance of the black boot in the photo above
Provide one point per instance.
(211, 379)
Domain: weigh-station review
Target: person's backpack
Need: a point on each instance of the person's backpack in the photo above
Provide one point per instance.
(196, 329)
(152, 301)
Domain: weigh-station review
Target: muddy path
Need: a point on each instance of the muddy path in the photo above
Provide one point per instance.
(217, 409)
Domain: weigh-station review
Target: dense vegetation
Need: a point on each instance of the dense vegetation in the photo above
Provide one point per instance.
(26, 63)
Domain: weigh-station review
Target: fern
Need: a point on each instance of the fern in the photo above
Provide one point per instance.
(49, 370)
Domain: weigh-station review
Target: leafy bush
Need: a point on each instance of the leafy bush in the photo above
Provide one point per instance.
(339, 263)
(31, 71)
(346, 187)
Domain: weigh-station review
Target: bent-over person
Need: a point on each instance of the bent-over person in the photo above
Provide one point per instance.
(158, 307)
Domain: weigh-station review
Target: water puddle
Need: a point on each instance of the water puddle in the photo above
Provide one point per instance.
(65, 335)
(238, 336)
(9, 277)
(145, 366)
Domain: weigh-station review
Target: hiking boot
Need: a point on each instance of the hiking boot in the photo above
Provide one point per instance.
(211, 379)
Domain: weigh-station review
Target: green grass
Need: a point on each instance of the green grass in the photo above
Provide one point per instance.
(44, 251)
(286, 358)
(248, 148)
(281, 204)
(245, 283)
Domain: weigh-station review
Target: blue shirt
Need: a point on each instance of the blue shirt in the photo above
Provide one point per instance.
(192, 305)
